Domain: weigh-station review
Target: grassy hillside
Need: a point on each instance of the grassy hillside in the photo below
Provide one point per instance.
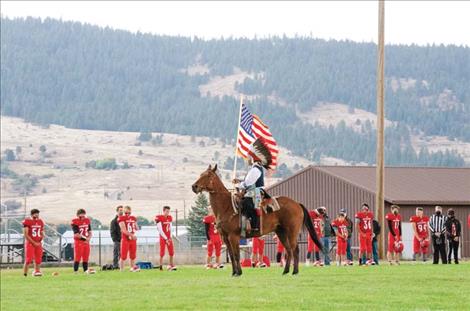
(157, 173)
(86, 77)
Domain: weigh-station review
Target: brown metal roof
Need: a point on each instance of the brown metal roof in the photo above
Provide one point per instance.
(408, 185)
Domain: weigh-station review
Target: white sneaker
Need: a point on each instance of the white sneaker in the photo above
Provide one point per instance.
(221, 266)
(90, 271)
(135, 269)
(208, 266)
(37, 273)
(262, 265)
(171, 268)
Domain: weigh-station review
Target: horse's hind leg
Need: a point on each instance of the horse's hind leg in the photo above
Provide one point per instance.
(230, 253)
(296, 260)
(292, 237)
(281, 234)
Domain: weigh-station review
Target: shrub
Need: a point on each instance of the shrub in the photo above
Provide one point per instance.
(104, 164)
(144, 136)
(9, 155)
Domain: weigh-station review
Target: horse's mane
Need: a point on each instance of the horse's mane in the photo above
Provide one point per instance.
(220, 184)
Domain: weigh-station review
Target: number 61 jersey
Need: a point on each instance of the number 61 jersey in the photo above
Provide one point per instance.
(35, 228)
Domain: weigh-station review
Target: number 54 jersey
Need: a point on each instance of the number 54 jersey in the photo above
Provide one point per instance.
(35, 228)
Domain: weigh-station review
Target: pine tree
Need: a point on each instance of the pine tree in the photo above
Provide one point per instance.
(197, 213)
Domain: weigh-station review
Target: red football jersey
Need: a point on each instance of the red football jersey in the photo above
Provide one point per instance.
(210, 219)
(317, 222)
(365, 221)
(342, 227)
(35, 228)
(83, 225)
(421, 224)
(166, 224)
(396, 220)
(130, 222)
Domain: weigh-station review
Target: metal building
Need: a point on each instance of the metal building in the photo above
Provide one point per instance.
(337, 187)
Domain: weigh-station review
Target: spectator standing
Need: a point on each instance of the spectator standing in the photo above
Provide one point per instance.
(438, 229)
(350, 227)
(327, 234)
(375, 247)
(115, 231)
(453, 232)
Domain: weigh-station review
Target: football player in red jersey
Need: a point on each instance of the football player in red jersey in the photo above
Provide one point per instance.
(164, 228)
(421, 234)
(128, 225)
(340, 225)
(214, 241)
(258, 253)
(394, 234)
(364, 228)
(312, 248)
(33, 230)
(81, 227)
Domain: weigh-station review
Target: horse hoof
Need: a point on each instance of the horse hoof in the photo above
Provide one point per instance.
(285, 272)
(236, 275)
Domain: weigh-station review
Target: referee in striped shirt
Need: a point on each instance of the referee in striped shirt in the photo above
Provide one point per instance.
(438, 229)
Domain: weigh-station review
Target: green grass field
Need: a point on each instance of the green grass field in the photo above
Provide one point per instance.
(405, 287)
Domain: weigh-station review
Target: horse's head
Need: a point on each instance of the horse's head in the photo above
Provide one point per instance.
(208, 181)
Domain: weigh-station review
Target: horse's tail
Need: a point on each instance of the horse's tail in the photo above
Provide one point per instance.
(311, 230)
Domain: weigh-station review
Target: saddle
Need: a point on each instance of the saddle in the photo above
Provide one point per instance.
(267, 204)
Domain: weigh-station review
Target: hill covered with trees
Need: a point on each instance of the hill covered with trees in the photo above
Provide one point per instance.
(88, 77)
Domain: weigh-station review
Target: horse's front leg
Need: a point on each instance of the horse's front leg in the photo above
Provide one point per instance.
(230, 253)
(235, 243)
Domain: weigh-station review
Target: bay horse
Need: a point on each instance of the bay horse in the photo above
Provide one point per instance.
(286, 222)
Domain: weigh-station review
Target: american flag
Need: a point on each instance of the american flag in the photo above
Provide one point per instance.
(251, 128)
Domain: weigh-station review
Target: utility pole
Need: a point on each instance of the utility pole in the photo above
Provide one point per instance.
(379, 197)
(176, 226)
(24, 201)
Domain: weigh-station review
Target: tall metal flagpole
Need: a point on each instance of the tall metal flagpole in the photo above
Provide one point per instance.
(379, 198)
(236, 142)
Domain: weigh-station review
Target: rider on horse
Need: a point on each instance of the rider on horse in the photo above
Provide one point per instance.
(259, 159)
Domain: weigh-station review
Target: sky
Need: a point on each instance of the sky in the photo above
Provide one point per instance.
(406, 22)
